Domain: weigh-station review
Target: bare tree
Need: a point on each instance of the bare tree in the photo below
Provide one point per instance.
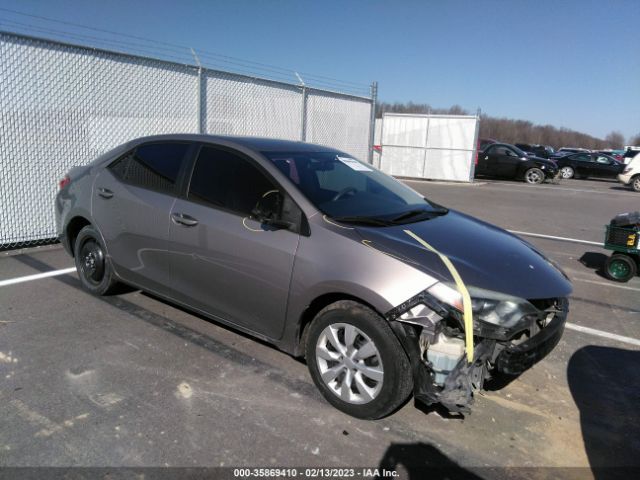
(516, 131)
(615, 140)
(635, 140)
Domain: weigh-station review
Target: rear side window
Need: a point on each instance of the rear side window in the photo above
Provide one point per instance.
(154, 166)
(582, 157)
(226, 180)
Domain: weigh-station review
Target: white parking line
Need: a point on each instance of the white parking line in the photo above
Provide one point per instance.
(540, 187)
(600, 333)
(37, 276)
(552, 237)
(605, 284)
(570, 326)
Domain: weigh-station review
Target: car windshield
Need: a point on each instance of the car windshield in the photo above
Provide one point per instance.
(349, 190)
(519, 152)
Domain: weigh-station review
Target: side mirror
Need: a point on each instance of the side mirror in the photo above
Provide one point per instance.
(268, 210)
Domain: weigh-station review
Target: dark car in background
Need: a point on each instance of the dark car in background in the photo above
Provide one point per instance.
(541, 151)
(584, 165)
(508, 161)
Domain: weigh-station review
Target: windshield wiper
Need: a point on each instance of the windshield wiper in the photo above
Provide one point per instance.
(364, 221)
(414, 213)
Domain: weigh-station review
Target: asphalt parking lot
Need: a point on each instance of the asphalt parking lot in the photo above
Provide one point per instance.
(129, 380)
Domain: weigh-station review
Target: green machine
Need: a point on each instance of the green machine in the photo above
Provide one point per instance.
(623, 237)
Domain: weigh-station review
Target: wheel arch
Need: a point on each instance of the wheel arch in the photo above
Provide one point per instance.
(314, 307)
(72, 230)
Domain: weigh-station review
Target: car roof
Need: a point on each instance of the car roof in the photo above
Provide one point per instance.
(258, 144)
(503, 145)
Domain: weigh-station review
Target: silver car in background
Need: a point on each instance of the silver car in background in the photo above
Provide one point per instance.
(314, 251)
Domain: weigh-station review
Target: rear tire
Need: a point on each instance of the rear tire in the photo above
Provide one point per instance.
(620, 268)
(357, 362)
(534, 176)
(94, 270)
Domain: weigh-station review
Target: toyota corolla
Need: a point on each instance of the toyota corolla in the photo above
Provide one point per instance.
(385, 293)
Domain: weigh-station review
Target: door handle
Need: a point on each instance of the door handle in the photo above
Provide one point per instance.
(105, 192)
(184, 219)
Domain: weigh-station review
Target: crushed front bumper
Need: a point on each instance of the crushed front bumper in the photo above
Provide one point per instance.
(491, 355)
(515, 359)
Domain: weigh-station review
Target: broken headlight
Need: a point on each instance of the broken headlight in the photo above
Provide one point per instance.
(500, 313)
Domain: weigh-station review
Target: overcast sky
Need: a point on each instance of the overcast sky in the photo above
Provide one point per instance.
(573, 63)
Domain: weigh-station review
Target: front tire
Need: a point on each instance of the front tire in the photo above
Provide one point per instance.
(534, 176)
(567, 172)
(635, 183)
(357, 362)
(94, 270)
(620, 268)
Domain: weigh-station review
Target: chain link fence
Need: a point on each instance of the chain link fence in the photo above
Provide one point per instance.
(63, 105)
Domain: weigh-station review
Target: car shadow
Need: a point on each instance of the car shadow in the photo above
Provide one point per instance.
(419, 461)
(605, 385)
(594, 261)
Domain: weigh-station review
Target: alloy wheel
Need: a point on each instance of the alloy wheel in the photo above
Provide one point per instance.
(349, 363)
(636, 184)
(566, 172)
(534, 176)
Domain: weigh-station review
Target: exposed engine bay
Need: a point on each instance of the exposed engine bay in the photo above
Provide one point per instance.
(509, 334)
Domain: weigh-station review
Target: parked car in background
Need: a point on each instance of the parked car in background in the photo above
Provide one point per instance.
(630, 153)
(542, 151)
(617, 154)
(584, 165)
(572, 150)
(508, 161)
(485, 142)
(318, 253)
(630, 176)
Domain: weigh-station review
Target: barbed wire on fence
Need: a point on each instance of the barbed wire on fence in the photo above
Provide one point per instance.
(64, 103)
(175, 52)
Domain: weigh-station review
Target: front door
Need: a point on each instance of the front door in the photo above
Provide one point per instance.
(223, 262)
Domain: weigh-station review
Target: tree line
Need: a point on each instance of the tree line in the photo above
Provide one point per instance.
(518, 131)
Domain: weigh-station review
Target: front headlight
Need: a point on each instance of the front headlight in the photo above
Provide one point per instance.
(488, 306)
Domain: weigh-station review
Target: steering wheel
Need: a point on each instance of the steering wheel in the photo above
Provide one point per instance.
(343, 192)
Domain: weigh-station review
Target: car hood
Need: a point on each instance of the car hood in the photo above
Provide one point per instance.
(545, 161)
(485, 256)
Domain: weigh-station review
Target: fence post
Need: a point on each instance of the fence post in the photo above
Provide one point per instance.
(475, 152)
(426, 143)
(200, 111)
(372, 121)
(303, 115)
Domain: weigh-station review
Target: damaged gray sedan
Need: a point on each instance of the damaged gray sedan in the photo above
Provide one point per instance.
(385, 293)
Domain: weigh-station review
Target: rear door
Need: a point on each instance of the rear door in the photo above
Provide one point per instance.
(222, 262)
(605, 166)
(132, 199)
(487, 161)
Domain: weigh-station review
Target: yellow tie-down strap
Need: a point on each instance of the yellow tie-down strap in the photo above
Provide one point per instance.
(466, 298)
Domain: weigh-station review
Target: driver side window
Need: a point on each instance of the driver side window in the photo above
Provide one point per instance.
(228, 181)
